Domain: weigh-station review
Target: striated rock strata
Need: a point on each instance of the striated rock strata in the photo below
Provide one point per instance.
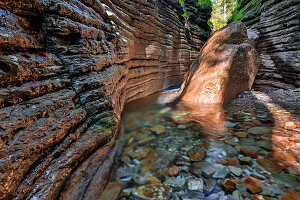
(277, 24)
(226, 66)
(66, 70)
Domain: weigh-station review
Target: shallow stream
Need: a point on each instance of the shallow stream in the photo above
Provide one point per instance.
(203, 152)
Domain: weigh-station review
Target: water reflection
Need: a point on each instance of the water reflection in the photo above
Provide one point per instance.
(203, 151)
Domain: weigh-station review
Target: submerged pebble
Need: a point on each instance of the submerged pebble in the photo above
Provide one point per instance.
(168, 156)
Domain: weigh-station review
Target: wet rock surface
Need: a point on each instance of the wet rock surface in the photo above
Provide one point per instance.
(66, 70)
(224, 171)
(226, 66)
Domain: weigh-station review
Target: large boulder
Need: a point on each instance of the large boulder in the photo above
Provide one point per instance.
(226, 66)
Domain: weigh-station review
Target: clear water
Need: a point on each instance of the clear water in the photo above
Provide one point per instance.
(203, 152)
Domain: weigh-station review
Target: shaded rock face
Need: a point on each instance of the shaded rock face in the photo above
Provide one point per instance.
(277, 24)
(66, 70)
(226, 66)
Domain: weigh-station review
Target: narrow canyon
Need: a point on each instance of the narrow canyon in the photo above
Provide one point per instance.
(68, 67)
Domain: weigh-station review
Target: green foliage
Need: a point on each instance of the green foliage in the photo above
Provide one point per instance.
(239, 12)
(181, 3)
(222, 10)
(185, 16)
(204, 3)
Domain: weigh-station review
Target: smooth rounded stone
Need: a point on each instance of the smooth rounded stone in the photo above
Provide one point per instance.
(152, 192)
(209, 73)
(220, 173)
(271, 190)
(197, 154)
(258, 176)
(139, 180)
(232, 142)
(173, 170)
(245, 160)
(267, 145)
(228, 149)
(231, 124)
(235, 170)
(184, 169)
(182, 163)
(127, 171)
(237, 195)
(251, 148)
(259, 130)
(209, 169)
(196, 185)
(159, 129)
(176, 183)
(181, 126)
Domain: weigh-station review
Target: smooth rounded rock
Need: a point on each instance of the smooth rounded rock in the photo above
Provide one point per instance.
(152, 192)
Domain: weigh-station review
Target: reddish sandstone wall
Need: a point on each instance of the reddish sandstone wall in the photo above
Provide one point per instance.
(66, 70)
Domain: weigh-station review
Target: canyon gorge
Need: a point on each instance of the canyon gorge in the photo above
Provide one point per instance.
(68, 67)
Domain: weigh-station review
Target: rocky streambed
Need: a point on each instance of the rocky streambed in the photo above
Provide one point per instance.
(246, 150)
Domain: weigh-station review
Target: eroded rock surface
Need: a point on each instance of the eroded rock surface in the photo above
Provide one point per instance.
(226, 66)
(277, 24)
(66, 70)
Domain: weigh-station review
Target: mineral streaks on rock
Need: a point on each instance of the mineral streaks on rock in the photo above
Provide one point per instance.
(66, 70)
(226, 66)
(277, 24)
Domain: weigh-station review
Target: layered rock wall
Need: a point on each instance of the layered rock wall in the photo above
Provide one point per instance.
(66, 70)
(277, 23)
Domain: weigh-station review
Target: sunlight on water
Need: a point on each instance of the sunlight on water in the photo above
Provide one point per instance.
(202, 152)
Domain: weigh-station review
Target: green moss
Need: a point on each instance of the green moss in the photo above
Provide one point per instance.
(239, 12)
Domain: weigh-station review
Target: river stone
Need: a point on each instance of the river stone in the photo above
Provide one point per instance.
(222, 78)
(220, 173)
(197, 154)
(271, 190)
(210, 185)
(176, 183)
(245, 160)
(259, 130)
(127, 171)
(159, 129)
(152, 192)
(235, 170)
(196, 195)
(237, 195)
(139, 180)
(196, 185)
(209, 169)
(230, 124)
